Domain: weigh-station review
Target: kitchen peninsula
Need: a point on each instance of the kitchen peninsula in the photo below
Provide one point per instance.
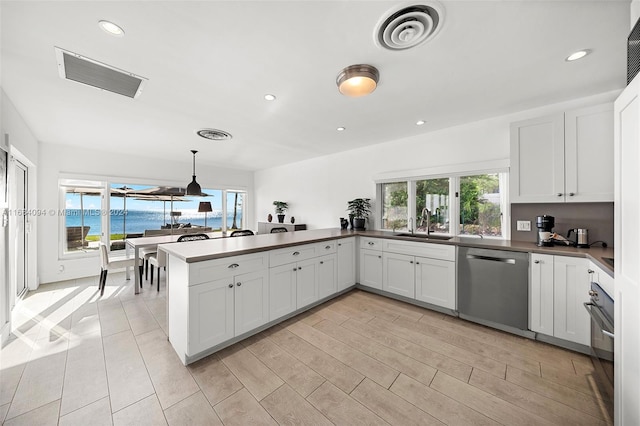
(221, 291)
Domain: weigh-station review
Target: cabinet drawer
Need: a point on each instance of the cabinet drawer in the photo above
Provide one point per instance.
(371, 243)
(432, 251)
(293, 254)
(209, 270)
(328, 247)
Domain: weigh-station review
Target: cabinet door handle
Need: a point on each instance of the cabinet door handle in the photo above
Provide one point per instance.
(321, 262)
(559, 194)
(379, 257)
(411, 261)
(230, 285)
(536, 261)
(295, 269)
(371, 243)
(327, 247)
(299, 268)
(571, 194)
(239, 284)
(295, 253)
(339, 244)
(590, 271)
(417, 263)
(233, 266)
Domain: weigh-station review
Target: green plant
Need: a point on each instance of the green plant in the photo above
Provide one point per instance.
(281, 206)
(360, 208)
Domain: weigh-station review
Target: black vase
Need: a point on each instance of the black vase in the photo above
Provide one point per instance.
(351, 221)
(280, 218)
(344, 223)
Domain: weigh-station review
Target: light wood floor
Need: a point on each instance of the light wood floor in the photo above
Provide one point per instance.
(360, 359)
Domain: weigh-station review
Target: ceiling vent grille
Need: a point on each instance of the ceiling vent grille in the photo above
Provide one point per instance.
(214, 134)
(409, 27)
(75, 67)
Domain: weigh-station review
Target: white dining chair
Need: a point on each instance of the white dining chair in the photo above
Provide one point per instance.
(157, 260)
(106, 263)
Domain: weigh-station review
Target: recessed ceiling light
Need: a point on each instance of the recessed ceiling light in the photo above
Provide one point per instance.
(578, 55)
(111, 28)
(420, 122)
(341, 129)
(269, 97)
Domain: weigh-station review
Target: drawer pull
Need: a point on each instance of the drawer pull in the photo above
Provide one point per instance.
(371, 243)
(379, 257)
(296, 253)
(339, 244)
(559, 194)
(327, 247)
(590, 271)
(322, 262)
(571, 194)
(536, 261)
(230, 285)
(233, 266)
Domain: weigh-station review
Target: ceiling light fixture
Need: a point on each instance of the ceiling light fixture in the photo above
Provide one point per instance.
(358, 80)
(214, 134)
(111, 28)
(420, 122)
(269, 97)
(341, 129)
(578, 55)
(194, 187)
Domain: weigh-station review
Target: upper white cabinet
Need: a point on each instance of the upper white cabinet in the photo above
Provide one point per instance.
(346, 263)
(566, 157)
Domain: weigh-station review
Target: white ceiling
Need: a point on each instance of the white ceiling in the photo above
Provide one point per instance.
(210, 63)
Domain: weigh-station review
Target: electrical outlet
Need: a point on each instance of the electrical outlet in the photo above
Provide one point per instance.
(523, 225)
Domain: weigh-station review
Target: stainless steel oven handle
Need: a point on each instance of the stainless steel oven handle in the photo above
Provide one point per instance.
(599, 318)
(491, 258)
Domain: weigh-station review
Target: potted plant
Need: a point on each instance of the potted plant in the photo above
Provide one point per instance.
(281, 207)
(359, 208)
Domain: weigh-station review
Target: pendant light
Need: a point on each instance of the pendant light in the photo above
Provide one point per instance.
(194, 187)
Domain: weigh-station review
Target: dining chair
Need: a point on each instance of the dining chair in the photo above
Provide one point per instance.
(158, 260)
(241, 233)
(106, 263)
(192, 237)
(278, 229)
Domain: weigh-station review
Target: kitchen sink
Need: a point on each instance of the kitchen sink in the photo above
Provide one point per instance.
(608, 260)
(424, 236)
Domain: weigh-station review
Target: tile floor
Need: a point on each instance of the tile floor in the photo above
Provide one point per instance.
(77, 359)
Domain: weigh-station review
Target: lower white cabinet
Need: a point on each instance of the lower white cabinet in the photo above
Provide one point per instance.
(346, 263)
(292, 286)
(398, 274)
(435, 282)
(327, 275)
(306, 282)
(371, 268)
(222, 309)
(559, 286)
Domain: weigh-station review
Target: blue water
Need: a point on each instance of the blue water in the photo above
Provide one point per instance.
(137, 220)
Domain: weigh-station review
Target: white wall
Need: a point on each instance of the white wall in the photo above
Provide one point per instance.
(635, 12)
(65, 161)
(318, 189)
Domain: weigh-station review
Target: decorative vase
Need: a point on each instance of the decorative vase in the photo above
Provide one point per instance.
(351, 221)
(293, 219)
(359, 224)
(280, 218)
(269, 218)
(344, 223)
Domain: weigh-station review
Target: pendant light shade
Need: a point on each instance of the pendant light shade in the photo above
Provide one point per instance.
(194, 187)
(358, 80)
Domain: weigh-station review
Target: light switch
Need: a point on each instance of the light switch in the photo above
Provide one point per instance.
(523, 225)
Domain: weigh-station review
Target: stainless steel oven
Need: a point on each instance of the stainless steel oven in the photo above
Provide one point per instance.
(602, 334)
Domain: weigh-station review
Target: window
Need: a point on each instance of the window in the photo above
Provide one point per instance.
(235, 209)
(459, 204)
(81, 216)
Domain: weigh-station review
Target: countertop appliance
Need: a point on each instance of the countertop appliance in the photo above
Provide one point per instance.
(545, 224)
(493, 288)
(600, 308)
(582, 237)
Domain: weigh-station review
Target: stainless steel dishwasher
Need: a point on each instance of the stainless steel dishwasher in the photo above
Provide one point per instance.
(493, 288)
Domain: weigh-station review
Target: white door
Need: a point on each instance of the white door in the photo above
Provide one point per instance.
(399, 274)
(541, 297)
(571, 284)
(327, 284)
(436, 282)
(210, 314)
(371, 268)
(282, 290)
(627, 250)
(20, 244)
(251, 301)
(346, 263)
(306, 283)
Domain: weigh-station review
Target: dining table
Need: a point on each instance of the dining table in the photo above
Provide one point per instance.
(138, 243)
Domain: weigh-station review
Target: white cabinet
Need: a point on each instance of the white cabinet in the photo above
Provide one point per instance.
(559, 286)
(346, 263)
(541, 294)
(306, 283)
(435, 282)
(327, 275)
(371, 268)
(398, 274)
(566, 157)
(222, 309)
(282, 290)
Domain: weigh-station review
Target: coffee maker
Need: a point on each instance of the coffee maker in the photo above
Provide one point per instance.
(545, 226)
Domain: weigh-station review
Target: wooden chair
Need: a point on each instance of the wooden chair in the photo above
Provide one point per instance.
(241, 233)
(106, 263)
(278, 229)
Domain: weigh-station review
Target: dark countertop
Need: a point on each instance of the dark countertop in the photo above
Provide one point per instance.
(198, 251)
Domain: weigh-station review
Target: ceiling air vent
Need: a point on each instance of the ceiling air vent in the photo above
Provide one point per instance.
(214, 134)
(409, 27)
(75, 67)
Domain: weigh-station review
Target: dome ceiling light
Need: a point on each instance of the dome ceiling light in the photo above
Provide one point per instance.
(358, 80)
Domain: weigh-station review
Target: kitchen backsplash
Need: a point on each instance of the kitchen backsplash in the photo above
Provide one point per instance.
(596, 217)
